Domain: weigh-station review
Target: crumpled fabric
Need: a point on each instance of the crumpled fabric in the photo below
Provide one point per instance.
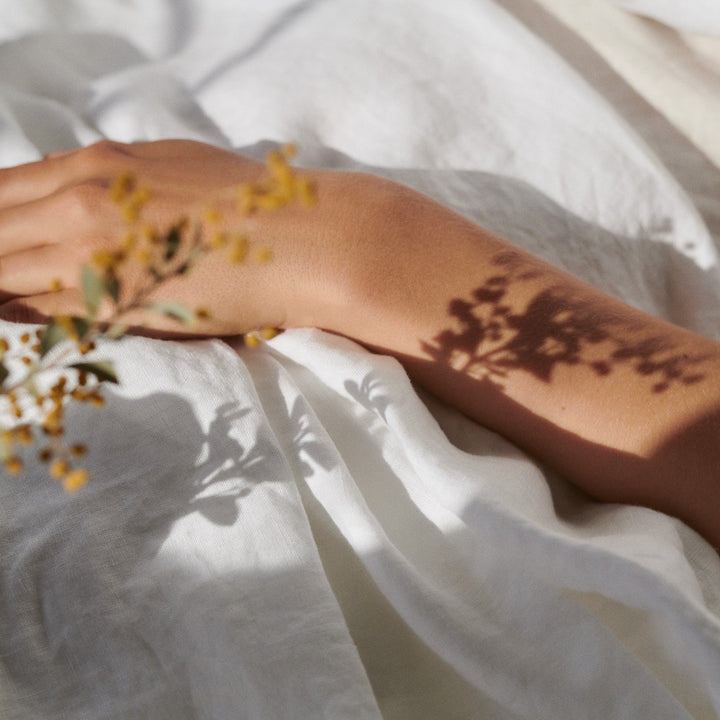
(296, 531)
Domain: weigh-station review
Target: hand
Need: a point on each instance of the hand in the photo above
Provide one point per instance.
(57, 212)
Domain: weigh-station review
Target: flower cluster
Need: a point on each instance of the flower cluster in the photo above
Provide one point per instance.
(34, 407)
(280, 188)
(47, 369)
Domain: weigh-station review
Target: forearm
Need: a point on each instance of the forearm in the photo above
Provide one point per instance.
(624, 405)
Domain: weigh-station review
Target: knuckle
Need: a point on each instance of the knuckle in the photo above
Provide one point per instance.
(86, 200)
(107, 148)
(101, 157)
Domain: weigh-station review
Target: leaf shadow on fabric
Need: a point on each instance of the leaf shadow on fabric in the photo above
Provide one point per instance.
(308, 448)
(368, 392)
(70, 559)
(329, 441)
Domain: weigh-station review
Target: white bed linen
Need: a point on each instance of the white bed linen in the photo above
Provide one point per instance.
(698, 16)
(295, 531)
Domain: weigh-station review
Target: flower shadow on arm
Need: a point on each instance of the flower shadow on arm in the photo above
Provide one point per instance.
(490, 337)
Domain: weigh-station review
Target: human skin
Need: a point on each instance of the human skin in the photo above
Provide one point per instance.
(623, 404)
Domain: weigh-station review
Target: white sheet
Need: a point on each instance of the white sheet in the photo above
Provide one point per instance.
(698, 16)
(295, 532)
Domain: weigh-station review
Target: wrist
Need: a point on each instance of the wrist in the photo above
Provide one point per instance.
(334, 250)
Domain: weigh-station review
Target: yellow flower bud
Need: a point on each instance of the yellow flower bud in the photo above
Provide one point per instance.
(58, 468)
(121, 187)
(23, 434)
(78, 450)
(66, 323)
(130, 212)
(75, 480)
(144, 257)
(218, 240)
(211, 216)
(238, 249)
(13, 465)
(134, 204)
(279, 168)
(264, 255)
(97, 400)
(246, 198)
(52, 424)
(104, 259)
(129, 242)
(140, 197)
(269, 202)
(305, 192)
(148, 234)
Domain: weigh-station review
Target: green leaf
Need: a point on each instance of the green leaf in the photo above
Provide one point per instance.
(103, 370)
(52, 334)
(81, 326)
(189, 263)
(4, 372)
(172, 242)
(173, 310)
(116, 331)
(93, 287)
(112, 287)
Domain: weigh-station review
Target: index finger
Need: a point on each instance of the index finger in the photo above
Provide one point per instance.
(25, 183)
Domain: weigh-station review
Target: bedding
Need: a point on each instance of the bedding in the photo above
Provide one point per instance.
(697, 15)
(296, 531)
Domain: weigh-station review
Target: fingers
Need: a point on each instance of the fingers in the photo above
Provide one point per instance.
(17, 233)
(25, 183)
(28, 225)
(32, 181)
(174, 162)
(35, 271)
(40, 308)
(76, 220)
(56, 213)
